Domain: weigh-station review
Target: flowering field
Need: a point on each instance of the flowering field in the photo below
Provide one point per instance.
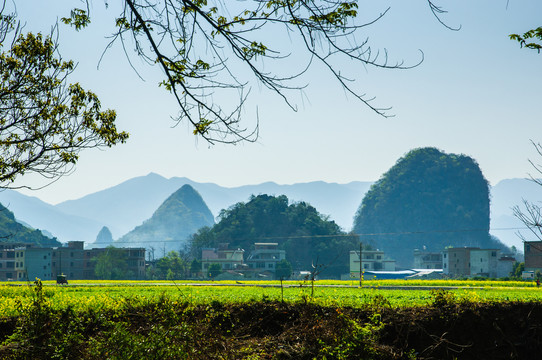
(109, 295)
(301, 320)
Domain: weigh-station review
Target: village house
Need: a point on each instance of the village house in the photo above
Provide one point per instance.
(427, 260)
(533, 255)
(228, 259)
(76, 262)
(372, 260)
(12, 263)
(28, 262)
(473, 261)
(261, 263)
(265, 257)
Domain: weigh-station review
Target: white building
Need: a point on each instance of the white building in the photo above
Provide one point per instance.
(228, 259)
(373, 260)
(265, 257)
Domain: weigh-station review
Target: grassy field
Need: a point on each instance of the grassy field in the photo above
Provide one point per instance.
(109, 295)
(261, 320)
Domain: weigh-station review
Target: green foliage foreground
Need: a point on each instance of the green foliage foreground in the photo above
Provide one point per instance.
(175, 327)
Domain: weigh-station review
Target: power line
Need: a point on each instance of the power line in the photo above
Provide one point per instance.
(289, 237)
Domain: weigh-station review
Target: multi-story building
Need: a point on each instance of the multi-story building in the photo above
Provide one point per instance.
(427, 260)
(473, 261)
(533, 255)
(38, 263)
(28, 262)
(262, 260)
(76, 262)
(372, 260)
(12, 263)
(229, 259)
(265, 257)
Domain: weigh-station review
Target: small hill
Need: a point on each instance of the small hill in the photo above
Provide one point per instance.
(427, 199)
(13, 232)
(181, 215)
(308, 237)
(103, 239)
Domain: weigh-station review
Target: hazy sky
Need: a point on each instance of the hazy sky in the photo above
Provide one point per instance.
(476, 93)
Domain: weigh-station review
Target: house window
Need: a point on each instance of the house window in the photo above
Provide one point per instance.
(270, 266)
(493, 253)
(44, 257)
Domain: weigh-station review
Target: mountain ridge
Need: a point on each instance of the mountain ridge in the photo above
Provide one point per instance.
(178, 217)
(67, 226)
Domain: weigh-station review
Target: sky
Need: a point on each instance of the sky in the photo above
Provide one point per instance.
(476, 93)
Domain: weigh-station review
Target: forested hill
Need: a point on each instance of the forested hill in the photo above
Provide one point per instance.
(308, 237)
(14, 232)
(179, 216)
(428, 198)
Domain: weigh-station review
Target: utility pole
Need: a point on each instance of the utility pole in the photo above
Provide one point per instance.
(360, 263)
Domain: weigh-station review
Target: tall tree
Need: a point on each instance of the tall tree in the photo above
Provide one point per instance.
(111, 264)
(211, 50)
(44, 121)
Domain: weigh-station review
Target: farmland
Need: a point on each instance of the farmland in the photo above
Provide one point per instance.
(109, 295)
(338, 320)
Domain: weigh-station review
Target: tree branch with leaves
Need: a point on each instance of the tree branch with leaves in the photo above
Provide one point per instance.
(211, 51)
(531, 39)
(44, 121)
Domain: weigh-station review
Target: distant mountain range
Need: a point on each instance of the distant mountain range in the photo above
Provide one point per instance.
(123, 207)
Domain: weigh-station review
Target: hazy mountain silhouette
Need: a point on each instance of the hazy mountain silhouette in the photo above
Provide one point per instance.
(504, 195)
(41, 215)
(126, 205)
(12, 231)
(181, 215)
